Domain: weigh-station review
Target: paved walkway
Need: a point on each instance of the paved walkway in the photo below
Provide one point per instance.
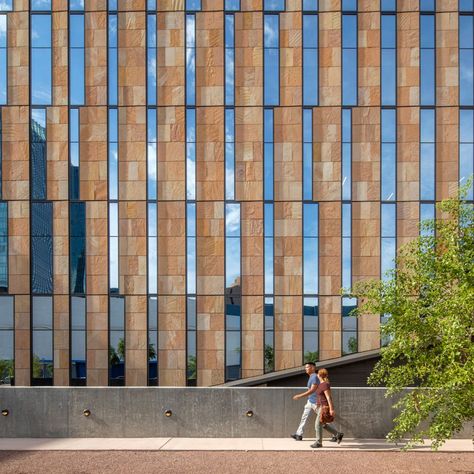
(211, 444)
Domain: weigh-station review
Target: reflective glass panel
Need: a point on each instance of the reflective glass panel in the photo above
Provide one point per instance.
(274, 5)
(232, 5)
(78, 247)
(112, 59)
(151, 59)
(151, 153)
(3, 247)
(41, 68)
(271, 60)
(190, 60)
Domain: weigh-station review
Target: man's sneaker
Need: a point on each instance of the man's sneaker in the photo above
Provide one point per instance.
(339, 437)
(333, 439)
(297, 437)
(317, 445)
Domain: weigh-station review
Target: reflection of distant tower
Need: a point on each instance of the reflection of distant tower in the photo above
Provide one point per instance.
(81, 273)
(38, 159)
(234, 292)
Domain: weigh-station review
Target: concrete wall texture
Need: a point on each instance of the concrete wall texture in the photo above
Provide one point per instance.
(197, 412)
(43, 412)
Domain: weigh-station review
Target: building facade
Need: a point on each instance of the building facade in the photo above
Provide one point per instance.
(186, 185)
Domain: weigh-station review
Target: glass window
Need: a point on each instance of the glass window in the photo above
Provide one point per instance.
(151, 153)
(466, 59)
(311, 330)
(466, 5)
(232, 250)
(230, 154)
(74, 155)
(229, 59)
(191, 154)
(349, 326)
(6, 5)
(233, 334)
(310, 60)
(346, 154)
(466, 149)
(42, 339)
(427, 5)
(78, 340)
(349, 59)
(191, 358)
(42, 247)
(117, 340)
(7, 337)
(38, 153)
(346, 246)
(232, 5)
(427, 154)
(190, 59)
(389, 238)
(349, 5)
(308, 154)
(152, 249)
(269, 335)
(113, 247)
(41, 67)
(113, 59)
(112, 5)
(268, 251)
(3, 58)
(271, 65)
(40, 5)
(3, 247)
(151, 59)
(388, 5)
(153, 340)
(1, 157)
(310, 5)
(113, 154)
(427, 213)
(389, 61)
(193, 5)
(427, 60)
(78, 247)
(389, 155)
(191, 247)
(76, 58)
(76, 5)
(310, 248)
(268, 154)
(274, 5)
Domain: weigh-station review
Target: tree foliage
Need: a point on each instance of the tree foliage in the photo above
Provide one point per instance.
(429, 299)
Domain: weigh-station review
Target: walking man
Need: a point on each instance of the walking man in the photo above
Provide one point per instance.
(313, 381)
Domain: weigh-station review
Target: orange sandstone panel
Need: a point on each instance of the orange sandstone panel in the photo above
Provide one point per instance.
(18, 54)
(60, 50)
(408, 58)
(96, 54)
(22, 340)
(408, 153)
(57, 153)
(171, 58)
(248, 58)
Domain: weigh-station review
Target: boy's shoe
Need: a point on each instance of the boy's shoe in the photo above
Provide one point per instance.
(333, 439)
(317, 445)
(297, 437)
(339, 437)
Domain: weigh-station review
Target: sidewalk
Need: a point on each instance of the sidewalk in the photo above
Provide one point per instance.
(212, 444)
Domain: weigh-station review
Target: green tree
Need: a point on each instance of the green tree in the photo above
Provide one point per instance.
(6, 370)
(311, 356)
(429, 298)
(269, 358)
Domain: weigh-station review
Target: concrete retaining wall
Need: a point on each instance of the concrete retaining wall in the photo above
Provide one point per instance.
(41, 412)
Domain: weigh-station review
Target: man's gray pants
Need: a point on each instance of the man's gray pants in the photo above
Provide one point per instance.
(308, 409)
